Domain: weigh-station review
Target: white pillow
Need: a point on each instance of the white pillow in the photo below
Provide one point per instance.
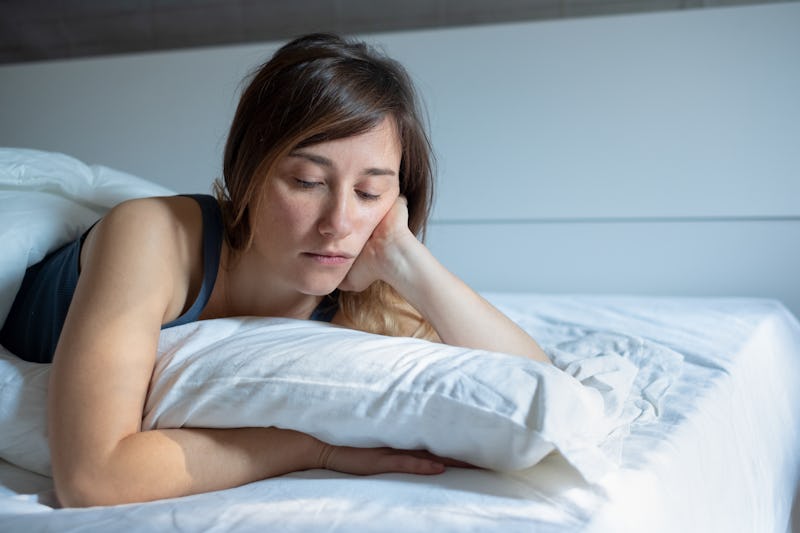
(352, 388)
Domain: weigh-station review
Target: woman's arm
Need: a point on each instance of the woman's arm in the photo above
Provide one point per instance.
(459, 315)
(168, 463)
(133, 279)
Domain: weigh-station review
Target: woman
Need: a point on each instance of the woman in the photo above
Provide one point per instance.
(327, 179)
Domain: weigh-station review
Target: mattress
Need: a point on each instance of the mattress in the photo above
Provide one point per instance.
(718, 448)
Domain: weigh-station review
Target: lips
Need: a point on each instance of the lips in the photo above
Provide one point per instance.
(329, 258)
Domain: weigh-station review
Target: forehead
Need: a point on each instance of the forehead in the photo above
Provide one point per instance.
(383, 137)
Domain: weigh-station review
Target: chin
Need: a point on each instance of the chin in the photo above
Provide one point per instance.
(319, 292)
(320, 289)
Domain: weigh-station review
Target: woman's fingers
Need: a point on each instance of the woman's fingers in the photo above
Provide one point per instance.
(368, 461)
(408, 464)
(447, 461)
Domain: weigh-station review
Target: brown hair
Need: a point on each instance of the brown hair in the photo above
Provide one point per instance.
(319, 88)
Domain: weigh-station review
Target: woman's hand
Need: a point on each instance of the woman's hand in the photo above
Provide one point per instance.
(369, 461)
(380, 257)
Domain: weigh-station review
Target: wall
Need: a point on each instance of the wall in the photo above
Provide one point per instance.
(653, 153)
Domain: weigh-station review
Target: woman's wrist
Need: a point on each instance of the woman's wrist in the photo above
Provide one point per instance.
(404, 262)
(286, 450)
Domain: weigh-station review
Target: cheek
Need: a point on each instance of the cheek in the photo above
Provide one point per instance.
(284, 210)
(279, 220)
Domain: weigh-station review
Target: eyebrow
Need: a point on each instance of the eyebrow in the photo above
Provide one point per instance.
(327, 163)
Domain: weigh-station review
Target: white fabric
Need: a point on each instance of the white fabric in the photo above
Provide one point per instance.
(49, 199)
(23, 413)
(352, 388)
(719, 452)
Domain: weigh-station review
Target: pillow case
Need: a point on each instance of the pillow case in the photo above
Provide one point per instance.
(352, 388)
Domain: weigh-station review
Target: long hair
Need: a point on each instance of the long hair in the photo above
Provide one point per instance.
(319, 88)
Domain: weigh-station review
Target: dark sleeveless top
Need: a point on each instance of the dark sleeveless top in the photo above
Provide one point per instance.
(37, 315)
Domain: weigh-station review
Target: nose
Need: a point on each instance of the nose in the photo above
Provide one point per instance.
(336, 219)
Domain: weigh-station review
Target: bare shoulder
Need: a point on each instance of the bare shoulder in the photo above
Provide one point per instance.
(153, 243)
(147, 225)
(164, 217)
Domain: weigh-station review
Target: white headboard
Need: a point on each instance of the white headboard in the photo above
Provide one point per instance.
(643, 154)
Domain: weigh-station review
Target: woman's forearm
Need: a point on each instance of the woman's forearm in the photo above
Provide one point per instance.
(459, 315)
(169, 463)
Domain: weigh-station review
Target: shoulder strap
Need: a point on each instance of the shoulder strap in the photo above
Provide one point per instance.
(212, 248)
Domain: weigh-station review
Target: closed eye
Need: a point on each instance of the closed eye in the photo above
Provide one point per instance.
(367, 196)
(305, 184)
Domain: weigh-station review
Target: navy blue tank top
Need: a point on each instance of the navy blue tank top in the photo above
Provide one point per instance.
(37, 315)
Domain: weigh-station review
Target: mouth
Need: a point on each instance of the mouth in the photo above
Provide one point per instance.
(329, 258)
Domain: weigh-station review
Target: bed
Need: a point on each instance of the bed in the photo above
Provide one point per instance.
(697, 428)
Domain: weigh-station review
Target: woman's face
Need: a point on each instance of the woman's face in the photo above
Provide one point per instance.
(321, 205)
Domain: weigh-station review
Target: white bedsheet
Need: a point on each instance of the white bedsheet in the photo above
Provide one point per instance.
(720, 452)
